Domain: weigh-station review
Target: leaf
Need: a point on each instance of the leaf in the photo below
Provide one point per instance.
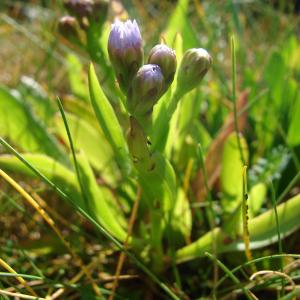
(293, 137)
(64, 178)
(77, 78)
(18, 123)
(181, 219)
(215, 150)
(276, 66)
(38, 99)
(81, 110)
(257, 197)
(262, 229)
(97, 200)
(231, 178)
(179, 23)
(92, 141)
(108, 121)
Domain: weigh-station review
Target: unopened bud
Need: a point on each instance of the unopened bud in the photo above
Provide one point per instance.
(99, 11)
(79, 8)
(69, 28)
(165, 58)
(146, 88)
(87, 11)
(194, 65)
(125, 51)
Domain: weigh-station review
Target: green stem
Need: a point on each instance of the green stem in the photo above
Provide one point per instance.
(235, 114)
(156, 239)
(162, 124)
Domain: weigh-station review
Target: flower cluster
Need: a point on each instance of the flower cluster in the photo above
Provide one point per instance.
(145, 84)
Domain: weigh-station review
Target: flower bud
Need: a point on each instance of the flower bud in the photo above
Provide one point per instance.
(69, 28)
(87, 11)
(146, 88)
(165, 58)
(100, 9)
(125, 51)
(194, 65)
(79, 8)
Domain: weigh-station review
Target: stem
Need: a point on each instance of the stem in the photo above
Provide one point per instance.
(156, 239)
(236, 127)
(162, 124)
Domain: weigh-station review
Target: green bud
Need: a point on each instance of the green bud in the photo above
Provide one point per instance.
(146, 88)
(165, 58)
(194, 65)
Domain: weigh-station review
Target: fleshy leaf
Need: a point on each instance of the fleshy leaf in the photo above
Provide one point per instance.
(97, 200)
(262, 230)
(231, 172)
(108, 121)
(92, 141)
(18, 123)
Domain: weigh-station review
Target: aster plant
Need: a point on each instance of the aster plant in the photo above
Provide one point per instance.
(137, 146)
(146, 87)
(149, 153)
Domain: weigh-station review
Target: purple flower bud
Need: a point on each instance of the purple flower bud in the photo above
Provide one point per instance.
(194, 65)
(165, 57)
(146, 88)
(68, 27)
(125, 51)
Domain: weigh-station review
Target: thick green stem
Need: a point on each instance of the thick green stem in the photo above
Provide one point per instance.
(156, 239)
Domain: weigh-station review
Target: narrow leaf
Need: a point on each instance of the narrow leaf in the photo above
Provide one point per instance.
(108, 121)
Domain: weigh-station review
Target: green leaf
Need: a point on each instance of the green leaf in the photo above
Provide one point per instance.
(81, 109)
(77, 77)
(181, 218)
(37, 98)
(293, 137)
(257, 197)
(262, 230)
(97, 200)
(64, 178)
(108, 121)
(18, 123)
(231, 172)
(179, 23)
(276, 66)
(92, 141)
